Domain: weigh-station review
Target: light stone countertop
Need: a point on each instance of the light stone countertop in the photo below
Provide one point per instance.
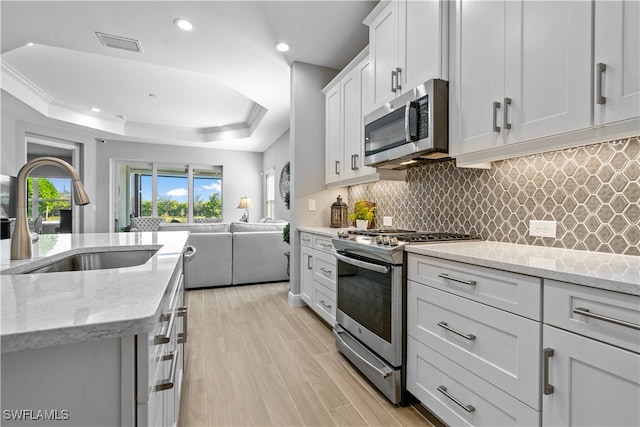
(323, 231)
(41, 310)
(620, 273)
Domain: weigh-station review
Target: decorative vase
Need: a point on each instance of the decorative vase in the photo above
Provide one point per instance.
(362, 224)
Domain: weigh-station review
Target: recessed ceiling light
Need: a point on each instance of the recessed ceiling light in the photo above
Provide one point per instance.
(184, 24)
(30, 44)
(153, 95)
(282, 46)
(95, 109)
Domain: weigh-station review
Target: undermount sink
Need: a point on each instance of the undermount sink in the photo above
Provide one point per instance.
(98, 260)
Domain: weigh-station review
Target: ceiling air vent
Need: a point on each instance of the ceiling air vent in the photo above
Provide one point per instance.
(118, 42)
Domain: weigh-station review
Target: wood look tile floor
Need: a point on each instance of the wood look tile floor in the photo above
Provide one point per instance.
(253, 360)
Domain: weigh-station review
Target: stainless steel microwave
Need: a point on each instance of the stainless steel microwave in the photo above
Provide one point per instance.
(410, 130)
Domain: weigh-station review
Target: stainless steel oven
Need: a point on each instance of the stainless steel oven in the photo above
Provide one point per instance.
(370, 316)
(369, 319)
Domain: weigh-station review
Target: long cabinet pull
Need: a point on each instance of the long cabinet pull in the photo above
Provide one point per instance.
(169, 382)
(166, 337)
(455, 279)
(394, 77)
(398, 78)
(354, 162)
(546, 387)
(496, 106)
(309, 266)
(585, 312)
(600, 69)
(469, 408)
(337, 167)
(446, 326)
(183, 312)
(505, 122)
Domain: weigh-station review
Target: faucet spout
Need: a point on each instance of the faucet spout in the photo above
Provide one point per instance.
(21, 239)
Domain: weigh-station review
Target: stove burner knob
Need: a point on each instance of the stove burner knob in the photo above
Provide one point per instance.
(343, 234)
(393, 241)
(379, 240)
(385, 240)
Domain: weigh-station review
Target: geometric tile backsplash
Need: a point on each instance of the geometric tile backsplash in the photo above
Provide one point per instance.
(592, 192)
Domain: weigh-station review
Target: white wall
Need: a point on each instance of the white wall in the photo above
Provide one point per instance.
(275, 157)
(308, 158)
(241, 174)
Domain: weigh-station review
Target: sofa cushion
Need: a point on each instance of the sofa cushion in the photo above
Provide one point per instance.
(195, 228)
(242, 227)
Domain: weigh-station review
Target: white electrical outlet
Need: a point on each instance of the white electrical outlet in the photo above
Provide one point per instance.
(312, 205)
(542, 228)
(387, 221)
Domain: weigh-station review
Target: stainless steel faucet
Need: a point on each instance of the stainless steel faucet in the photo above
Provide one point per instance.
(21, 239)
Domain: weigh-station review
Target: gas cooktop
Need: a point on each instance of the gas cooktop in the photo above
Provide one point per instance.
(388, 244)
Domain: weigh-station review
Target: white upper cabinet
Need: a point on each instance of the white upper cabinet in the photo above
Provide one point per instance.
(521, 71)
(408, 46)
(616, 61)
(346, 97)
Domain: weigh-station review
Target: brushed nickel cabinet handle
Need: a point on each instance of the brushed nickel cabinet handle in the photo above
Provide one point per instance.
(337, 167)
(309, 266)
(546, 387)
(455, 279)
(469, 408)
(166, 337)
(505, 122)
(325, 271)
(394, 78)
(446, 326)
(496, 106)
(183, 312)
(325, 305)
(398, 78)
(600, 69)
(585, 312)
(169, 382)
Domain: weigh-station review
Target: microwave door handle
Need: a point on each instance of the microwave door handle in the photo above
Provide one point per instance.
(407, 121)
(362, 264)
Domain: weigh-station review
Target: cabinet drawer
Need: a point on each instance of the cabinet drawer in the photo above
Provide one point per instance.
(324, 269)
(323, 243)
(428, 372)
(306, 239)
(500, 347)
(508, 291)
(564, 302)
(324, 302)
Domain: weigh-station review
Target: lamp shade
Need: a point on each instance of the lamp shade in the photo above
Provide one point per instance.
(245, 203)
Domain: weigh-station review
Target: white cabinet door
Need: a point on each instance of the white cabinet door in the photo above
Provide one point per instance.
(352, 122)
(547, 73)
(594, 384)
(306, 274)
(333, 118)
(513, 82)
(478, 76)
(617, 47)
(383, 42)
(423, 41)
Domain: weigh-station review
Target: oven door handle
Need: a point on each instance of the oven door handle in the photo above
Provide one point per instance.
(363, 264)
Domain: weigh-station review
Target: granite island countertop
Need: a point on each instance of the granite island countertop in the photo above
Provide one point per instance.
(41, 310)
(620, 273)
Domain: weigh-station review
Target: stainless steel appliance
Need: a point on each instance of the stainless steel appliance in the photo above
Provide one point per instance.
(370, 315)
(410, 130)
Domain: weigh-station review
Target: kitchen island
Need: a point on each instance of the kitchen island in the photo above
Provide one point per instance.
(94, 347)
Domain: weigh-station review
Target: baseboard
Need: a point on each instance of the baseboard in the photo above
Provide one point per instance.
(295, 300)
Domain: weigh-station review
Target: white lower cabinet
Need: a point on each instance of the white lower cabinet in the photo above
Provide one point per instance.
(473, 354)
(591, 367)
(318, 275)
(458, 396)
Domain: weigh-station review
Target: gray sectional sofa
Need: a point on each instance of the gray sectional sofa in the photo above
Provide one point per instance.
(234, 254)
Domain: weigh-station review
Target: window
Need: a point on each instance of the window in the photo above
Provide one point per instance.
(46, 196)
(270, 193)
(179, 193)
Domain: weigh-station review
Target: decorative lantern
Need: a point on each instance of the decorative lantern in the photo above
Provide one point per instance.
(339, 214)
